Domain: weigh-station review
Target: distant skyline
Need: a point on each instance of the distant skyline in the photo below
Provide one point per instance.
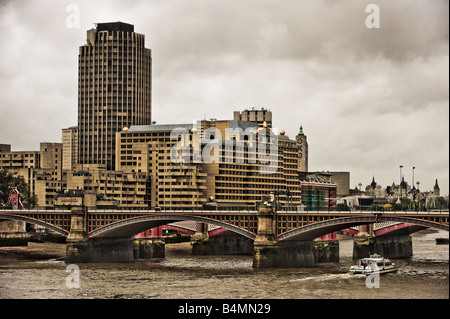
(369, 99)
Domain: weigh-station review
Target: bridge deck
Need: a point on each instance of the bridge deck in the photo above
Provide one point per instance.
(246, 220)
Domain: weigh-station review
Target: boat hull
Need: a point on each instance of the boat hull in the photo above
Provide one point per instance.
(382, 271)
(375, 264)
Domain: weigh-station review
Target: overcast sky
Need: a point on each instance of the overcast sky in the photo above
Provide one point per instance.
(369, 99)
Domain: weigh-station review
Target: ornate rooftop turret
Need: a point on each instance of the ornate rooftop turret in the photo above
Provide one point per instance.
(373, 184)
(436, 189)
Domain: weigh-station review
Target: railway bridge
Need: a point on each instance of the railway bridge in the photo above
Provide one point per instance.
(108, 234)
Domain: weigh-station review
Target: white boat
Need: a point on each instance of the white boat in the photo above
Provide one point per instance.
(373, 264)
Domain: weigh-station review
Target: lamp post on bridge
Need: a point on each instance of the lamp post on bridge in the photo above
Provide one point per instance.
(360, 207)
(413, 190)
(418, 196)
(400, 185)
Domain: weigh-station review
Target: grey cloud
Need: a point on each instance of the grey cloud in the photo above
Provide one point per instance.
(367, 98)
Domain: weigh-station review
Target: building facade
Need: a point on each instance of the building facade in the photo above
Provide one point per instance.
(114, 89)
(229, 164)
(259, 116)
(42, 170)
(342, 180)
(115, 189)
(69, 141)
(317, 191)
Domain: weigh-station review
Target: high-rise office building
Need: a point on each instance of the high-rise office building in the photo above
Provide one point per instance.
(114, 89)
(70, 147)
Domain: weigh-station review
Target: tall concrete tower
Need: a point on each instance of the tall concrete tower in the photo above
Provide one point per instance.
(302, 151)
(114, 89)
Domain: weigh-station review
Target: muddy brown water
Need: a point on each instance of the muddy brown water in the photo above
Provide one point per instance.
(180, 276)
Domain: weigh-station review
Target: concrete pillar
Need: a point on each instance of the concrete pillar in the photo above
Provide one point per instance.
(201, 228)
(326, 251)
(326, 248)
(366, 229)
(136, 242)
(12, 226)
(81, 249)
(386, 246)
(362, 230)
(269, 253)
(297, 253)
(201, 232)
(157, 243)
(200, 243)
(106, 250)
(265, 246)
(13, 233)
(395, 246)
(225, 243)
(77, 242)
(149, 244)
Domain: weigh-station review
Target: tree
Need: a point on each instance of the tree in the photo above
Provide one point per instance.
(441, 202)
(11, 180)
(401, 207)
(396, 207)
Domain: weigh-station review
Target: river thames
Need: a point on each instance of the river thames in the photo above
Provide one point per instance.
(183, 276)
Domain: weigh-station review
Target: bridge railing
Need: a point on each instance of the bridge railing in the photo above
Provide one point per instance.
(224, 210)
(37, 210)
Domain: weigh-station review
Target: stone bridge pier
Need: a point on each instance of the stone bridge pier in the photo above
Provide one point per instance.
(82, 249)
(366, 243)
(150, 244)
(270, 253)
(225, 243)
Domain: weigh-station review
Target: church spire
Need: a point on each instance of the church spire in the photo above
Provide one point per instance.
(436, 189)
(373, 184)
(403, 183)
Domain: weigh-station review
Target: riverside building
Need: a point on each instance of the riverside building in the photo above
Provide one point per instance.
(42, 170)
(114, 89)
(227, 164)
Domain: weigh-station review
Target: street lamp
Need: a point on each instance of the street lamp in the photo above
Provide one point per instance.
(418, 195)
(413, 190)
(360, 184)
(400, 185)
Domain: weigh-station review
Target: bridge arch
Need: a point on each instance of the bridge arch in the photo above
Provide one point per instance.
(34, 221)
(189, 231)
(132, 226)
(179, 229)
(315, 230)
(398, 229)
